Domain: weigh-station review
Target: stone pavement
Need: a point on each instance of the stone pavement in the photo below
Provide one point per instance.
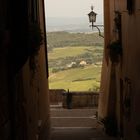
(78, 134)
(76, 124)
(73, 118)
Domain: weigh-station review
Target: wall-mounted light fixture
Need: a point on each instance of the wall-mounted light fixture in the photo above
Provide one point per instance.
(92, 19)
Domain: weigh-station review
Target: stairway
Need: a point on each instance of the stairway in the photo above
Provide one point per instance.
(73, 118)
(76, 124)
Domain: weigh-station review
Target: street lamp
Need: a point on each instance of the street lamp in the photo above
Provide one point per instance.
(92, 18)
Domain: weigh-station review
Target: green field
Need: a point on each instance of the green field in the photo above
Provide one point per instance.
(60, 57)
(76, 77)
(73, 51)
(66, 52)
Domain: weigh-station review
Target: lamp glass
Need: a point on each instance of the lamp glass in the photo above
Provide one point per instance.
(92, 17)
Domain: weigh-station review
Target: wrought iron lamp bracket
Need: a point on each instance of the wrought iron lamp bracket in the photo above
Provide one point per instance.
(97, 27)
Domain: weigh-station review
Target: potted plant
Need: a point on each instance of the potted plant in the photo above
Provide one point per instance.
(110, 124)
(115, 51)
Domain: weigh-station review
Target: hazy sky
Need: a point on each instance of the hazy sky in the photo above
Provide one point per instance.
(72, 8)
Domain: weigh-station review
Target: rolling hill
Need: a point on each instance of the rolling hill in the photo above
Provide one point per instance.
(65, 70)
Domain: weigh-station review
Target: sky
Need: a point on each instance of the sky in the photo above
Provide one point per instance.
(72, 8)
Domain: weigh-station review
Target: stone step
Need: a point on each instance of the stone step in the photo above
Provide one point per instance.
(79, 134)
(73, 112)
(74, 122)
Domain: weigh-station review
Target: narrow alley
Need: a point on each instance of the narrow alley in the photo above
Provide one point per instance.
(24, 74)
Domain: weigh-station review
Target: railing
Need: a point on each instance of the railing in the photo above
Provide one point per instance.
(55, 96)
(79, 99)
(82, 99)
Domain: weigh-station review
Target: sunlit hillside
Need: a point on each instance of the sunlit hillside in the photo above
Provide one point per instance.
(74, 66)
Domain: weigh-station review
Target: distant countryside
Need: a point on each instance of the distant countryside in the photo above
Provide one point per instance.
(75, 60)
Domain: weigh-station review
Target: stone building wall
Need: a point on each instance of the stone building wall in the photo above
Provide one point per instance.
(24, 101)
(126, 84)
(4, 93)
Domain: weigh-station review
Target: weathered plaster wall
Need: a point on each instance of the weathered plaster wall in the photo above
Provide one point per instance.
(131, 68)
(44, 111)
(127, 72)
(24, 101)
(37, 88)
(4, 93)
